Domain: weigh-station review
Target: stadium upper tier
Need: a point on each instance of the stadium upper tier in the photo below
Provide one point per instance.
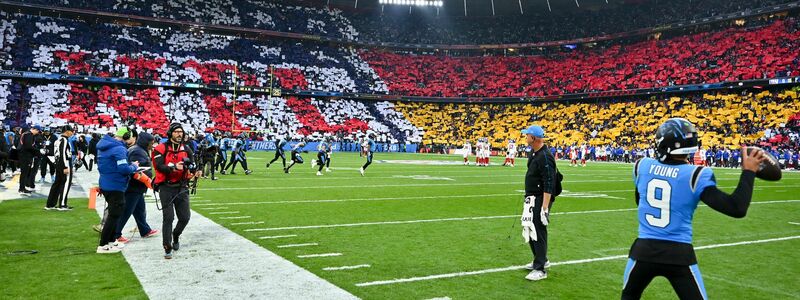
(394, 24)
(44, 44)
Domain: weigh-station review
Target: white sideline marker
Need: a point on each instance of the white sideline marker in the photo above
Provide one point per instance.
(277, 237)
(319, 255)
(223, 212)
(794, 223)
(247, 223)
(195, 201)
(230, 218)
(440, 298)
(345, 268)
(298, 245)
(569, 262)
(214, 208)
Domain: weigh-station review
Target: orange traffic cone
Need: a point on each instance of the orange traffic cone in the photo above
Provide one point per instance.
(93, 197)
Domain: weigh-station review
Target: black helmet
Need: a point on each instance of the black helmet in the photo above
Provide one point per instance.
(676, 136)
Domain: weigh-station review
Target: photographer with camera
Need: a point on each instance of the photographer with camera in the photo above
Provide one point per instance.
(174, 166)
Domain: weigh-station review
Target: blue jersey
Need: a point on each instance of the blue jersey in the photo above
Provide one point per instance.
(322, 147)
(371, 145)
(225, 144)
(668, 197)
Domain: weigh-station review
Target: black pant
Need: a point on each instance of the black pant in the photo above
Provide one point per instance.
(279, 154)
(26, 164)
(115, 202)
(174, 201)
(369, 161)
(539, 247)
(685, 280)
(45, 162)
(208, 166)
(59, 191)
(322, 159)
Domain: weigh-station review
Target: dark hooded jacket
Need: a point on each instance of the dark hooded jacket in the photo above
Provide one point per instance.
(140, 153)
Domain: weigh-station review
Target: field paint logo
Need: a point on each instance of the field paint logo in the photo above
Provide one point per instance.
(423, 177)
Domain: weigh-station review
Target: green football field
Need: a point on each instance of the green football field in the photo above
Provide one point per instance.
(428, 229)
(422, 226)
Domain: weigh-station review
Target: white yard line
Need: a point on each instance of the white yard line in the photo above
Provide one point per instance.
(319, 255)
(569, 262)
(345, 268)
(363, 199)
(742, 284)
(213, 208)
(215, 263)
(247, 223)
(277, 237)
(469, 218)
(794, 223)
(233, 218)
(390, 185)
(298, 245)
(223, 212)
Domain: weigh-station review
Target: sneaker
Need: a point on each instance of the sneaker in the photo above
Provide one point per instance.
(536, 275)
(313, 163)
(530, 265)
(285, 170)
(108, 249)
(247, 172)
(65, 208)
(327, 170)
(97, 228)
(214, 178)
(319, 173)
(168, 254)
(123, 240)
(175, 244)
(50, 208)
(118, 244)
(361, 171)
(25, 193)
(222, 172)
(152, 232)
(268, 165)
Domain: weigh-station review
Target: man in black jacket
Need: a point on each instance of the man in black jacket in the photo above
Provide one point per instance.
(27, 152)
(540, 183)
(57, 199)
(134, 196)
(93, 150)
(83, 147)
(48, 158)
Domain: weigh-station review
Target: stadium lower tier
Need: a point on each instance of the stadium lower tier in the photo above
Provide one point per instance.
(724, 119)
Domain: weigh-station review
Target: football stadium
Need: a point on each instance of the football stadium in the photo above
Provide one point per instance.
(399, 149)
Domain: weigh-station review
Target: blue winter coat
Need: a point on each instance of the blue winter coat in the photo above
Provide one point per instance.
(112, 163)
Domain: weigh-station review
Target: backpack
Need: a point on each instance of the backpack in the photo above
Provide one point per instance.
(557, 187)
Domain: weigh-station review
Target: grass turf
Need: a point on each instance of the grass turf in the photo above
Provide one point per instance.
(66, 265)
(419, 191)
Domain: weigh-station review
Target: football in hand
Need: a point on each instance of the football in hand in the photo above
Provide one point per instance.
(770, 169)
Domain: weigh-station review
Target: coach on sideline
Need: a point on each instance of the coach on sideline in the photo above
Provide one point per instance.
(539, 186)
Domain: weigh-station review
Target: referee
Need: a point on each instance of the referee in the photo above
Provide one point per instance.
(59, 191)
(539, 186)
